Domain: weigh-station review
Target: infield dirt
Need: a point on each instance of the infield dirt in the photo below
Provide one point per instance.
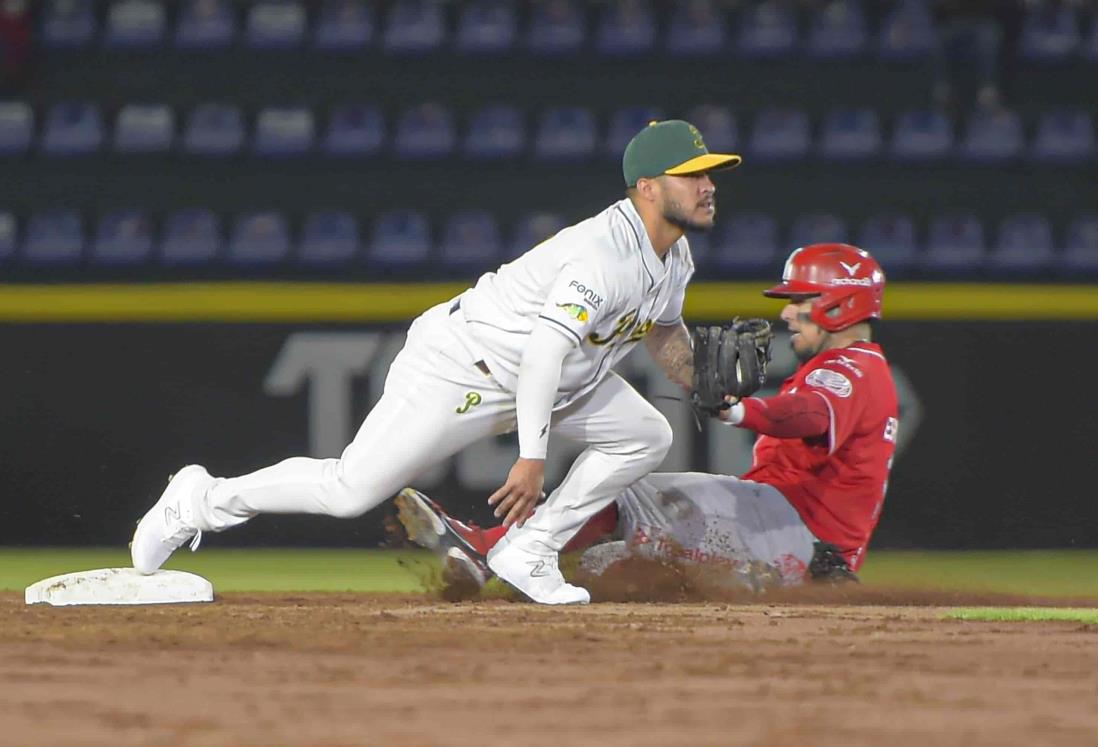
(330, 669)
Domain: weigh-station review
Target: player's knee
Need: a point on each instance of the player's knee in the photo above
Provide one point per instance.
(657, 436)
(348, 496)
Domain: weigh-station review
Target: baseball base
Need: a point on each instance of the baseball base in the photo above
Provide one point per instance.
(120, 586)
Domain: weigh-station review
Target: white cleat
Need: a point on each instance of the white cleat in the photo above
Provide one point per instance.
(169, 524)
(536, 576)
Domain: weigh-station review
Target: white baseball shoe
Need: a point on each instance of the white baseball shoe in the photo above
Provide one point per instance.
(170, 522)
(536, 576)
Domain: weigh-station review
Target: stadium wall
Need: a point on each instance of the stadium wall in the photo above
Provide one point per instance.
(108, 389)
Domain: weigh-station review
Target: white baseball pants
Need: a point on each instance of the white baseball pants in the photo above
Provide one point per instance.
(716, 520)
(436, 402)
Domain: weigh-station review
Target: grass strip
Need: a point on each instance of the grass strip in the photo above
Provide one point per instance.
(1024, 614)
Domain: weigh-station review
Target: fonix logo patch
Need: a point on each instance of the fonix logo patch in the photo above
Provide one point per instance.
(592, 297)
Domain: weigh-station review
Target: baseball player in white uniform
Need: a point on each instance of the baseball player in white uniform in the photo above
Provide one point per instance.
(529, 347)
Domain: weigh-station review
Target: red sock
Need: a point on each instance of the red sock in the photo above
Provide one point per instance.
(597, 527)
(491, 537)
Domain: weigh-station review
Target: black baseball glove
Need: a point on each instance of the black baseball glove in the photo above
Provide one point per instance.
(729, 361)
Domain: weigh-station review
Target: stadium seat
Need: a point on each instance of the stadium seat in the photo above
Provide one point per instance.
(259, 238)
(533, 228)
(205, 25)
(123, 237)
(837, 31)
(9, 236)
(921, 135)
(696, 28)
(214, 130)
(414, 27)
(955, 246)
(1088, 49)
(627, 28)
(1050, 33)
(470, 242)
(425, 131)
(344, 26)
(135, 24)
(907, 32)
(819, 228)
(890, 238)
(745, 244)
(329, 237)
(992, 136)
(624, 125)
(487, 27)
(144, 128)
(191, 237)
(566, 133)
(282, 132)
(1081, 247)
(68, 24)
(556, 28)
(767, 30)
(401, 238)
(780, 135)
(275, 24)
(16, 127)
(354, 130)
(495, 132)
(718, 127)
(54, 237)
(1064, 136)
(1024, 246)
(72, 129)
(850, 135)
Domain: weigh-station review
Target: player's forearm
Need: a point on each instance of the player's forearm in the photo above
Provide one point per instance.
(798, 415)
(669, 346)
(539, 378)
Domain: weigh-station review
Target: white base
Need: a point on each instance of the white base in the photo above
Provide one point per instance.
(120, 586)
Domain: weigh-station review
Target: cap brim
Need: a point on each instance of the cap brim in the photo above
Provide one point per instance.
(707, 162)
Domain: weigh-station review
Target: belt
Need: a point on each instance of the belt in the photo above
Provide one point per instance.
(481, 365)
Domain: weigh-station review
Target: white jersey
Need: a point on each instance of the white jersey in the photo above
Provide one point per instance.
(598, 282)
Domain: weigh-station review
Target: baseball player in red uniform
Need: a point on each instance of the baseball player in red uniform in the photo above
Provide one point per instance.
(812, 498)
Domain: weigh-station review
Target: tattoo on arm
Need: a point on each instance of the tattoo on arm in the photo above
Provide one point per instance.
(670, 347)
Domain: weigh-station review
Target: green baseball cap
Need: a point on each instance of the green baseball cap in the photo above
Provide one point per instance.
(670, 147)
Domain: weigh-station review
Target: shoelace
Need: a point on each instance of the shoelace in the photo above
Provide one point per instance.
(180, 535)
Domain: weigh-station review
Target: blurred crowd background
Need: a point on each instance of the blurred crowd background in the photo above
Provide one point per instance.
(436, 138)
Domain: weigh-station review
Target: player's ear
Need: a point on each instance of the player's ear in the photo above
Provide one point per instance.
(646, 188)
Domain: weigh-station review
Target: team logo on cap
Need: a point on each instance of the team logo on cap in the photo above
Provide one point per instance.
(574, 310)
(698, 142)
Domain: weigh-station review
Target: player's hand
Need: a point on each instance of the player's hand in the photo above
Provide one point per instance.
(516, 500)
(731, 399)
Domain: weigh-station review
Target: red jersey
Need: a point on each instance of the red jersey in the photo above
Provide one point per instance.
(837, 481)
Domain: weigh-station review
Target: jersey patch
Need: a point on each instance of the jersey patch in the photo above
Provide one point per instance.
(574, 310)
(592, 297)
(832, 381)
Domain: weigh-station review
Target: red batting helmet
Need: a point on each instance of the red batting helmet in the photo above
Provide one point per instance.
(848, 284)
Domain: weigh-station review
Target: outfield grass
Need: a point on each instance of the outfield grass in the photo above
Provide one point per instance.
(258, 569)
(1052, 573)
(1024, 614)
